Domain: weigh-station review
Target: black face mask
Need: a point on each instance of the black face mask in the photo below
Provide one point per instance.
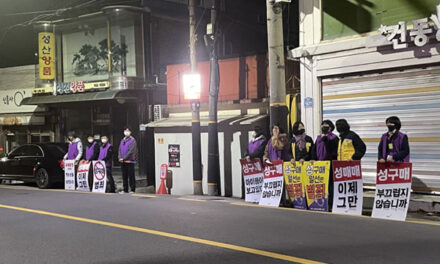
(299, 132)
(391, 128)
(325, 130)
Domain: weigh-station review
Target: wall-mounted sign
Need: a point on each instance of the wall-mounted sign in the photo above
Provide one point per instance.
(80, 87)
(11, 101)
(399, 35)
(308, 102)
(46, 55)
(174, 155)
(42, 90)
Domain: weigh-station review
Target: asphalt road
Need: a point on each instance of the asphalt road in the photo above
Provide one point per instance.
(54, 226)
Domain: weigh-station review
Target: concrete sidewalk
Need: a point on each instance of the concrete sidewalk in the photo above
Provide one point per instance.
(141, 182)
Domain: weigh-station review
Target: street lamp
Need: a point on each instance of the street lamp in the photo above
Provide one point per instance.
(191, 90)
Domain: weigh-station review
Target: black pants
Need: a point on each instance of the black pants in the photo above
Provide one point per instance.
(110, 179)
(128, 176)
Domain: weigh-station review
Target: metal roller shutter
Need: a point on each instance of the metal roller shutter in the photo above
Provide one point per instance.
(412, 95)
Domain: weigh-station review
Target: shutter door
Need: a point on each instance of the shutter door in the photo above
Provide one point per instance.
(366, 101)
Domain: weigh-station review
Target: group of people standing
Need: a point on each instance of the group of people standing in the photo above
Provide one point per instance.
(393, 146)
(95, 150)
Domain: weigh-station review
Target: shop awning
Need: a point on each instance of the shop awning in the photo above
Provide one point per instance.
(83, 97)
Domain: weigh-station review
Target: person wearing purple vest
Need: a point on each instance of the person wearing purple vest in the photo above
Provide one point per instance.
(75, 150)
(393, 146)
(326, 144)
(277, 146)
(92, 149)
(106, 154)
(256, 145)
(127, 158)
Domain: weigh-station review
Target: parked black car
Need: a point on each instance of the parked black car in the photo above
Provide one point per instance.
(39, 163)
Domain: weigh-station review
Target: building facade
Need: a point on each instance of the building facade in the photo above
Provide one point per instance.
(365, 63)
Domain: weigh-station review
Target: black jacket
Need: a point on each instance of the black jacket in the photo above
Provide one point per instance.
(302, 154)
(359, 146)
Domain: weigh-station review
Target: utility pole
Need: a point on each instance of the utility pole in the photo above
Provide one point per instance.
(277, 86)
(195, 107)
(213, 155)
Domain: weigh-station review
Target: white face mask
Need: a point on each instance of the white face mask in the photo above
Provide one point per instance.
(90, 140)
(254, 134)
(127, 133)
(104, 141)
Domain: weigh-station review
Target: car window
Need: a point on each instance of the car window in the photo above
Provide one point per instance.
(19, 151)
(57, 151)
(32, 151)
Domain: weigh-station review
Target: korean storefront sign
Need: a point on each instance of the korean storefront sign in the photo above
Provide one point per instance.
(253, 179)
(393, 189)
(11, 101)
(420, 34)
(73, 87)
(46, 55)
(273, 184)
(316, 184)
(293, 175)
(347, 186)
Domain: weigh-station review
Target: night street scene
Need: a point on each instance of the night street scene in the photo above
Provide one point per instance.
(219, 131)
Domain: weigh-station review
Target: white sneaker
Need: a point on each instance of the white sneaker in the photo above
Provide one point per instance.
(122, 192)
(131, 192)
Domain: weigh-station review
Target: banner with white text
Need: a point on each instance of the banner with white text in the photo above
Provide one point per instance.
(82, 176)
(348, 188)
(253, 179)
(99, 176)
(69, 174)
(393, 190)
(273, 184)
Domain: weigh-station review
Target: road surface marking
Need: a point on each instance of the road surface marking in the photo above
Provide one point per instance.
(169, 235)
(330, 213)
(144, 195)
(191, 199)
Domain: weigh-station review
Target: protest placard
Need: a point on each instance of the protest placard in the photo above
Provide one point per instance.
(348, 188)
(316, 184)
(293, 174)
(253, 179)
(82, 176)
(273, 184)
(69, 175)
(393, 190)
(99, 176)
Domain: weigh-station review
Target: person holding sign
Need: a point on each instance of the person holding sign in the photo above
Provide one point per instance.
(326, 144)
(393, 146)
(351, 146)
(277, 147)
(127, 158)
(106, 155)
(256, 145)
(75, 150)
(301, 144)
(92, 149)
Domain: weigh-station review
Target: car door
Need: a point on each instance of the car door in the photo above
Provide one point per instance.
(10, 165)
(31, 155)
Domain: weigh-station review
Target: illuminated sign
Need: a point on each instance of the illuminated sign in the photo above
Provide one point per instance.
(46, 55)
(191, 86)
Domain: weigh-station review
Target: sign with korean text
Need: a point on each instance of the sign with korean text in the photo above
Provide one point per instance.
(69, 174)
(253, 179)
(347, 187)
(46, 55)
(174, 155)
(273, 184)
(316, 181)
(99, 176)
(420, 34)
(293, 174)
(80, 87)
(82, 176)
(393, 190)
(11, 100)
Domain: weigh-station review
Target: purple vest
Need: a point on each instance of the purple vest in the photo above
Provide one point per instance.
(254, 145)
(124, 146)
(321, 151)
(103, 153)
(73, 151)
(396, 141)
(90, 150)
(275, 154)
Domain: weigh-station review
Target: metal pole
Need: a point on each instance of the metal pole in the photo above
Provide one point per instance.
(195, 107)
(213, 154)
(278, 108)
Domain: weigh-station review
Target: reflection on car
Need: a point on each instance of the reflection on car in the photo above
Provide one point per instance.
(39, 163)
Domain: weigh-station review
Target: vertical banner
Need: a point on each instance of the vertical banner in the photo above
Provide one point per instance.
(294, 184)
(82, 176)
(273, 184)
(69, 175)
(174, 155)
(46, 55)
(393, 189)
(253, 179)
(99, 176)
(348, 188)
(316, 184)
